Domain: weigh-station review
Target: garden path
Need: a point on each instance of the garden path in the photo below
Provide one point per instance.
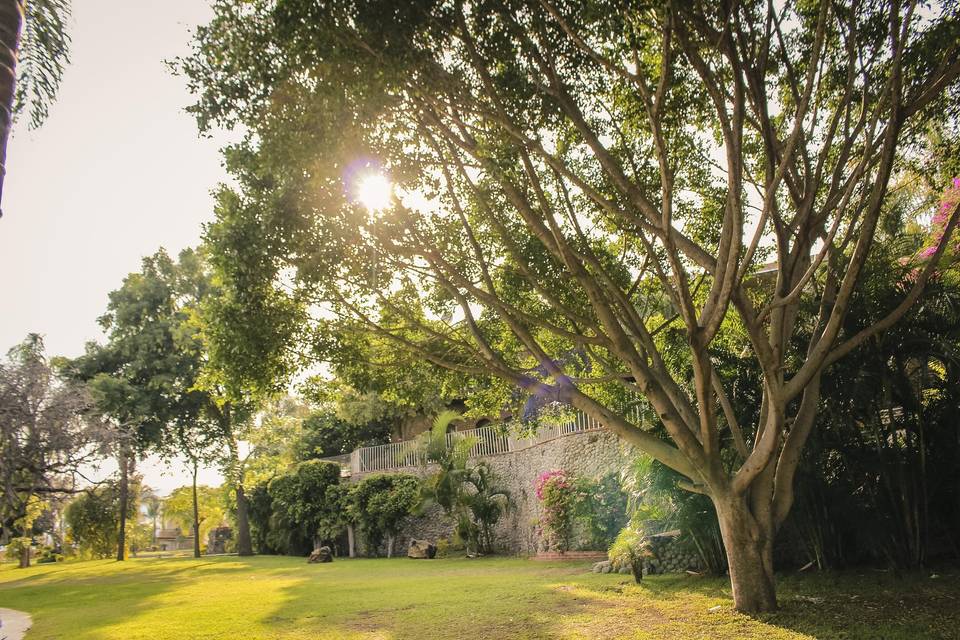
(14, 624)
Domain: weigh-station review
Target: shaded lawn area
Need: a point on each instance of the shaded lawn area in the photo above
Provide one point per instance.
(275, 597)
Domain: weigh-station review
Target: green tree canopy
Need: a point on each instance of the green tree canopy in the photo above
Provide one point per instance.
(178, 509)
(310, 499)
(93, 519)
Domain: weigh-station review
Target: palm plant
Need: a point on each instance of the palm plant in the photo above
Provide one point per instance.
(445, 487)
(34, 49)
(469, 494)
(486, 502)
(657, 504)
(152, 506)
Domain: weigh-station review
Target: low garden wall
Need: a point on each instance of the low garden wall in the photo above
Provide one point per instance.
(589, 454)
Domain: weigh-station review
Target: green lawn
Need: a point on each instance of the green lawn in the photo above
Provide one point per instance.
(271, 597)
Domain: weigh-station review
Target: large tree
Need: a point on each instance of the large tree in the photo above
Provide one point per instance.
(46, 435)
(574, 181)
(149, 376)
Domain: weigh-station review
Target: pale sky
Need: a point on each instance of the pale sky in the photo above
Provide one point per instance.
(117, 171)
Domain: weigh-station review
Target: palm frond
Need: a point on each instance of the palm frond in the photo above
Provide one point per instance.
(44, 52)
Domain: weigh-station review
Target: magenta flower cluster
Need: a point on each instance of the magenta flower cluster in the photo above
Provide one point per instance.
(556, 477)
(555, 490)
(951, 198)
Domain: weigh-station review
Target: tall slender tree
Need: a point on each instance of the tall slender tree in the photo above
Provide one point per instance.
(151, 375)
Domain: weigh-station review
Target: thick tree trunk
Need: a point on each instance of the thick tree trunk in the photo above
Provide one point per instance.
(11, 21)
(124, 499)
(25, 556)
(244, 546)
(196, 515)
(749, 547)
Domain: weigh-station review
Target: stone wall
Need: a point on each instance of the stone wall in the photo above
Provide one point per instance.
(589, 454)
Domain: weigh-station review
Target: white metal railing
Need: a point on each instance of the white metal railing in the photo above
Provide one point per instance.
(488, 441)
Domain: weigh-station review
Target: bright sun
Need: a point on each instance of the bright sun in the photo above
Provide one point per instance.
(374, 192)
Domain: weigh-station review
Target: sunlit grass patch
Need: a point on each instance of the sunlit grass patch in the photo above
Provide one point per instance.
(276, 597)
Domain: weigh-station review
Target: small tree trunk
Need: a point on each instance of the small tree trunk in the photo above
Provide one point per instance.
(351, 548)
(244, 545)
(124, 499)
(25, 556)
(636, 567)
(390, 546)
(196, 515)
(749, 547)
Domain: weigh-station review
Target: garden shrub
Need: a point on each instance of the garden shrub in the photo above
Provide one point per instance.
(379, 503)
(15, 548)
(48, 555)
(601, 509)
(443, 547)
(629, 550)
(298, 510)
(555, 490)
(308, 502)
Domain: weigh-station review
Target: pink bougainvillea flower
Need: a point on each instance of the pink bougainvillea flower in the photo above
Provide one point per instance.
(948, 203)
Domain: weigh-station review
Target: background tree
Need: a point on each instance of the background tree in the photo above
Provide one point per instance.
(571, 180)
(197, 509)
(94, 517)
(151, 375)
(46, 433)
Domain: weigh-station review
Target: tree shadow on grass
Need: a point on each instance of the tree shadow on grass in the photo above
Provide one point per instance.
(829, 605)
(84, 599)
(870, 604)
(436, 599)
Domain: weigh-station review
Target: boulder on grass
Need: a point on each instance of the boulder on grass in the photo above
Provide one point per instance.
(422, 549)
(604, 566)
(323, 554)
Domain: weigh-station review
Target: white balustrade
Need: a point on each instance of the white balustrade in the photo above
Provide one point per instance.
(488, 441)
